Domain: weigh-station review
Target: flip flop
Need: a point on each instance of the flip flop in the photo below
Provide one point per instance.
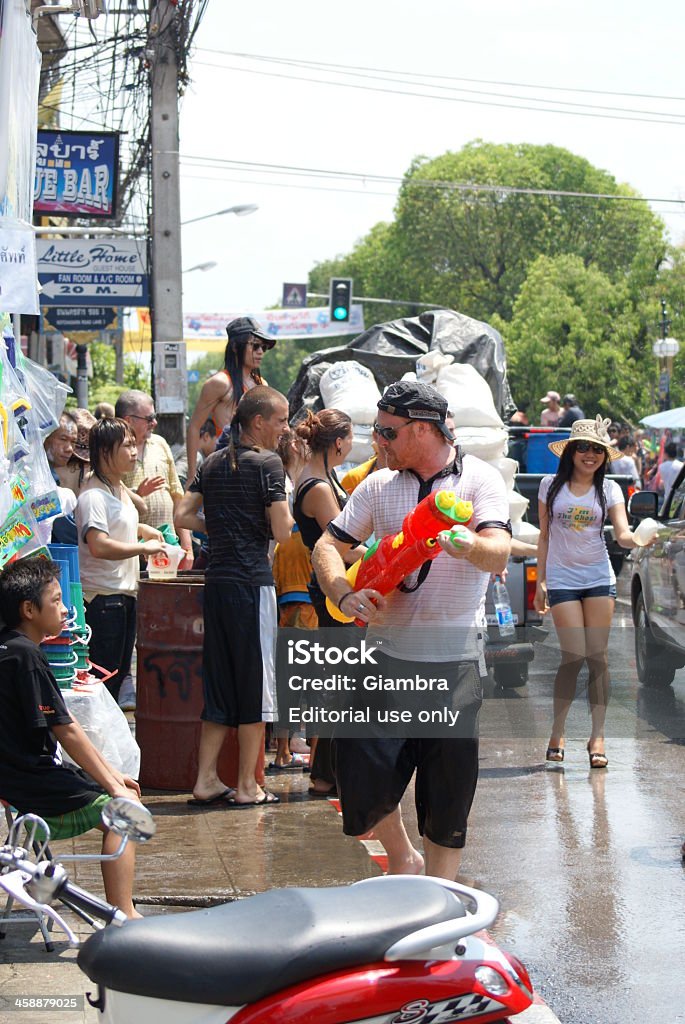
(268, 798)
(211, 801)
(322, 794)
(296, 764)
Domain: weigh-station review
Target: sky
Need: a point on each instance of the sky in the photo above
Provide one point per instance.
(239, 108)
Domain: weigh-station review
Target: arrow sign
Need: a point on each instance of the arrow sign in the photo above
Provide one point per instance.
(90, 291)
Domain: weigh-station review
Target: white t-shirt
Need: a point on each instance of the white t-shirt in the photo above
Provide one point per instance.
(625, 466)
(98, 509)
(577, 556)
(441, 620)
(668, 470)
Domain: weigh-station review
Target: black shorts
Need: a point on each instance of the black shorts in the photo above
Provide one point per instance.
(238, 653)
(372, 775)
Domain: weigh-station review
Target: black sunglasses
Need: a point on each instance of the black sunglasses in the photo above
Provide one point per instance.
(587, 446)
(148, 419)
(258, 346)
(390, 433)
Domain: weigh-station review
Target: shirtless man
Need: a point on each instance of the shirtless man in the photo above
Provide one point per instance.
(245, 349)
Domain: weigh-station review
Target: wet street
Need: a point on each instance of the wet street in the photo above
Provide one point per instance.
(586, 864)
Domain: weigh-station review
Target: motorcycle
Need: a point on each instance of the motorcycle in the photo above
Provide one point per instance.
(398, 949)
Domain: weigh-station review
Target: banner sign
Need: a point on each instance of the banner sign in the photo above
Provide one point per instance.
(93, 272)
(206, 332)
(67, 319)
(18, 292)
(279, 323)
(76, 173)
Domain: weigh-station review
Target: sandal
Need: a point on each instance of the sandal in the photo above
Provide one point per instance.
(555, 754)
(597, 760)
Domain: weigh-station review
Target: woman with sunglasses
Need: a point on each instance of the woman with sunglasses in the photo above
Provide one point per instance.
(575, 578)
(219, 396)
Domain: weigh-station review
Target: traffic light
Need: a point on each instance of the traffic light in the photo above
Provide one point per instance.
(340, 299)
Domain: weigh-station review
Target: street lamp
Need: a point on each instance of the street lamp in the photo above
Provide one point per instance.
(204, 267)
(665, 349)
(239, 211)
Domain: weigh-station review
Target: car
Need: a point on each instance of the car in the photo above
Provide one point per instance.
(657, 587)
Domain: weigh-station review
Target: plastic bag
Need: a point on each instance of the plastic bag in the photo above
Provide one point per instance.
(46, 394)
(105, 725)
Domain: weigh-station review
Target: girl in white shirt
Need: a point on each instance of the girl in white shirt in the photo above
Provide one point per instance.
(575, 577)
(109, 548)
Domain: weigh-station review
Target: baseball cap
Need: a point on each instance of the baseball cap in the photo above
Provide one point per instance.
(413, 400)
(551, 396)
(569, 400)
(245, 325)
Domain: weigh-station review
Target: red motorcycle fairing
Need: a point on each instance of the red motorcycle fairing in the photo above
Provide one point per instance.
(379, 989)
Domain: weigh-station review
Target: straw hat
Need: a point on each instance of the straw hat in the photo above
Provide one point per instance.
(84, 420)
(594, 431)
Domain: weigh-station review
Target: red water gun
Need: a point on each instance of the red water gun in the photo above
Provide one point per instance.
(389, 561)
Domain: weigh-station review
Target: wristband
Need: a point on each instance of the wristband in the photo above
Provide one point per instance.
(343, 598)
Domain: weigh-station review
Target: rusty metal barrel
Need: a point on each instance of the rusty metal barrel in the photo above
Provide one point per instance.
(169, 686)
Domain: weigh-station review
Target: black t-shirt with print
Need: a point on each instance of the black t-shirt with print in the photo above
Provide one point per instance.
(31, 775)
(235, 505)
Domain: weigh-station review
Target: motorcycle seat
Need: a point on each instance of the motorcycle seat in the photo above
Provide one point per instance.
(242, 952)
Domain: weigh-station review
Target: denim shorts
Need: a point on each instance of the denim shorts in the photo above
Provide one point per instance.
(558, 595)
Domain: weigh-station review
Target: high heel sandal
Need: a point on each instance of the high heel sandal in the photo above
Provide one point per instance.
(597, 760)
(555, 755)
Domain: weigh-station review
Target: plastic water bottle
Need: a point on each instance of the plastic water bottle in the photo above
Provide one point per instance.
(505, 616)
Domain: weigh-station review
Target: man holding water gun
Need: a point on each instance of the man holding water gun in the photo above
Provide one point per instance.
(434, 619)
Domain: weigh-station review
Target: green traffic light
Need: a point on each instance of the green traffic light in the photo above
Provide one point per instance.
(339, 313)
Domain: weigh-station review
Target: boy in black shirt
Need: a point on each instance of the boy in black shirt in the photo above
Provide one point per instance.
(34, 723)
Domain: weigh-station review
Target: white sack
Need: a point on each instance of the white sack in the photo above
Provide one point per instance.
(468, 395)
(508, 468)
(518, 506)
(352, 388)
(486, 443)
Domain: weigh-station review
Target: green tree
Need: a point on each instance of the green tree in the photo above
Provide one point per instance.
(470, 250)
(572, 330)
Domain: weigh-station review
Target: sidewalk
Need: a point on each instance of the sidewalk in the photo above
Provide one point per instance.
(197, 858)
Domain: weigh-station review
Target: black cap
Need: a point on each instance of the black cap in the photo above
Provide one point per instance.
(569, 400)
(245, 325)
(416, 401)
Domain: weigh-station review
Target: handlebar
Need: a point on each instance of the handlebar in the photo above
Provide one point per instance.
(85, 901)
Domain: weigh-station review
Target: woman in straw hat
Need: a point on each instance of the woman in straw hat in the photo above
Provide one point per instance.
(575, 578)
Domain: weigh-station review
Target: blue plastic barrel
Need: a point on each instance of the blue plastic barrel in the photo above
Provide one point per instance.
(539, 458)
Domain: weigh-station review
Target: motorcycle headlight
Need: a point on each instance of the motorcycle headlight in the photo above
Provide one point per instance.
(493, 982)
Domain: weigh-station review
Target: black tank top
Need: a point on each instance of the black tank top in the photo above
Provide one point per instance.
(308, 526)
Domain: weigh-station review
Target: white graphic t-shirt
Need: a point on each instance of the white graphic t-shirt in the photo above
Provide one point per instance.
(577, 556)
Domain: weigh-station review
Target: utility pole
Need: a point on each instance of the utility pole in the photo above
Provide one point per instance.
(169, 378)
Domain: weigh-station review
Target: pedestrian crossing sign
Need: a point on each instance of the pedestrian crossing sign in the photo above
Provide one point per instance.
(294, 296)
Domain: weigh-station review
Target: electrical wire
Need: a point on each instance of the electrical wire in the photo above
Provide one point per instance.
(285, 169)
(321, 65)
